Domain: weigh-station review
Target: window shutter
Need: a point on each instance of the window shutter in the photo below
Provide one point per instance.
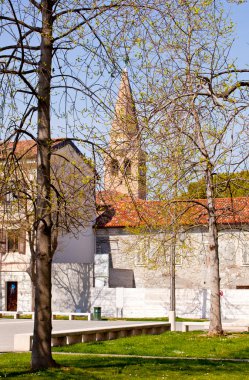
(22, 242)
(3, 241)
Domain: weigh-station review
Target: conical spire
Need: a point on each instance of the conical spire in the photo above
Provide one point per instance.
(125, 125)
(125, 166)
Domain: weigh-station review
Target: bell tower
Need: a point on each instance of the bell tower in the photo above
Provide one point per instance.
(125, 166)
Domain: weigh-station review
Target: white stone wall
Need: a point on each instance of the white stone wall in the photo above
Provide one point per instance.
(148, 258)
(75, 251)
(101, 270)
(235, 304)
(73, 290)
(145, 303)
(79, 248)
(104, 298)
(148, 303)
(71, 286)
(24, 289)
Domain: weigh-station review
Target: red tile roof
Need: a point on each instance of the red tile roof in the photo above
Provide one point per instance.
(128, 213)
(109, 197)
(28, 148)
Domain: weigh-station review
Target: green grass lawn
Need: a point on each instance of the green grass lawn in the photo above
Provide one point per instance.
(15, 366)
(159, 319)
(181, 345)
(191, 344)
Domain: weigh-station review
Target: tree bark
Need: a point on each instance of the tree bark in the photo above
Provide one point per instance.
(215, 327)
(41, 350)
(172, 308)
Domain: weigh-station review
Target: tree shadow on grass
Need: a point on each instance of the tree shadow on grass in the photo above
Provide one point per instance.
(242, 354)
(156, 368)
(106, 368)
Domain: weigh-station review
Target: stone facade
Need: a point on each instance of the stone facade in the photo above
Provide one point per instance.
(147, 259)
(71, 287)
(125, 163)
(74, 257)
(24, 299)
(123, 268)
(154, 302)
(135, 260)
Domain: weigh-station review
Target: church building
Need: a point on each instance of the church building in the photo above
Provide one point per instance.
(121, 260)
(125, 165)
(133, 239)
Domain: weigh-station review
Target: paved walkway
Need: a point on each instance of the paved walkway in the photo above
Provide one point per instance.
(10, 327)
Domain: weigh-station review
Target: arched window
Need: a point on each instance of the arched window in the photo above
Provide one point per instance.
(127, 166)
(114, 167)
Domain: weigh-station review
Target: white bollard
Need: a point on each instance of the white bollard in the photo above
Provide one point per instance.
(172, 319)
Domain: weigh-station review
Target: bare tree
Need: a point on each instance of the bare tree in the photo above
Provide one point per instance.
(201, 110)
(195, 101)
(52, 52)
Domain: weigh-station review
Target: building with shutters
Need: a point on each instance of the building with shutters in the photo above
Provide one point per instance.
(119, 261)
(73, 177)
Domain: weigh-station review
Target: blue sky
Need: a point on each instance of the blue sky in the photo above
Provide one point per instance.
(240, 15)
(240, 50)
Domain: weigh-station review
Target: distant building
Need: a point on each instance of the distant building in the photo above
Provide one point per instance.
(120, 259)
(125, 165)
(76, 241)
(133, 238)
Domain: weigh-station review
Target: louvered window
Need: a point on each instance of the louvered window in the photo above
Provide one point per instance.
(13, 241)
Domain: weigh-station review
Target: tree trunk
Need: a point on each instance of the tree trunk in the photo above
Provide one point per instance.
(41, 350)
(215, 327)
(172, 308)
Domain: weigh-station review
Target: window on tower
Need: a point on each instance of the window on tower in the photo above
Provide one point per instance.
(114, 167)
(127, 166)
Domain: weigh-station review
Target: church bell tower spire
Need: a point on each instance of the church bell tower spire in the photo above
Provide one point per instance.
(125, 166)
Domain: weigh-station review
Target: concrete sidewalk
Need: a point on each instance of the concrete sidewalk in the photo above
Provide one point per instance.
(11, 327)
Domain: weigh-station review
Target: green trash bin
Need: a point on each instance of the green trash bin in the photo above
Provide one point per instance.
(97, 313)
